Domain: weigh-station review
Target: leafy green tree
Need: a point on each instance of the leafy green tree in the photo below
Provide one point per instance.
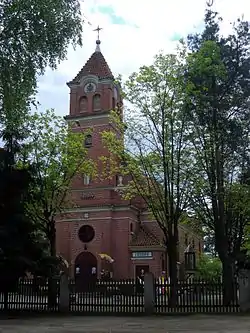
(57, 153)
(218, 90)
(33, 35)
(208, 268)
(154, 156)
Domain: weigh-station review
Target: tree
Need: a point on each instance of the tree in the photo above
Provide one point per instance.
(218, 91)
(58, 155)
(20, 248)
(209, 268)
(33, 35)
(155, 156)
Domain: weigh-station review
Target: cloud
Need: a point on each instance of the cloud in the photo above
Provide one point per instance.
(133, 32)
(109, 11)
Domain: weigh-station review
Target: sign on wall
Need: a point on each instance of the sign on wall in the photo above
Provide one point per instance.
(142, 255)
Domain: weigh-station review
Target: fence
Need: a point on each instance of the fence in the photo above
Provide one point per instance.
(194, 297)
(118, 297)
(31, 295)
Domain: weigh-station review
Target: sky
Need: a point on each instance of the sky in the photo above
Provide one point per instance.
(133, 32)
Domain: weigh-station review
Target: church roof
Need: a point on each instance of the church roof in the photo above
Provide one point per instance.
(96, 65)
(145, 238)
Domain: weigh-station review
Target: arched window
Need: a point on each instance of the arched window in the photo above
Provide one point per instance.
(199, 246)
(83, 104)
(97, 102)
(88, 141)
(193, 243)
(86, 179)
(186, 239)
(113, 104)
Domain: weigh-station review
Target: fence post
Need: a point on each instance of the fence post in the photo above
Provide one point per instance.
(64, 294)
(149, 293)
(244, 290)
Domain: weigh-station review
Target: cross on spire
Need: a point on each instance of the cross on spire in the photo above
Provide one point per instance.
(98, 29)
(210, 3)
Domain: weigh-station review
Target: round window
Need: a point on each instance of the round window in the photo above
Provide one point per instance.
(86, 233)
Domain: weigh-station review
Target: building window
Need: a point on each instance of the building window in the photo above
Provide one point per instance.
(88, 141)
(186, 240)
(86, 233)
(131, 227)
(97, 102)
(83, 104)
(142, 255)
(119, 180)
(113, 104)
(193, 244)
(86, 179)
(199, 246)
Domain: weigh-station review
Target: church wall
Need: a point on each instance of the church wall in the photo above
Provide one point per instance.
(121, 236)
(112, 235)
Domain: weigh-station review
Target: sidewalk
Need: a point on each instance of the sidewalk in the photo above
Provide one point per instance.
(95, 324)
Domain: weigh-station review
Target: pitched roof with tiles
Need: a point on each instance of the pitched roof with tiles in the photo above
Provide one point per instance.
(144, 238)
(96, 65)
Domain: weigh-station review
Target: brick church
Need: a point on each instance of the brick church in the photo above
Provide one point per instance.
(102, 231)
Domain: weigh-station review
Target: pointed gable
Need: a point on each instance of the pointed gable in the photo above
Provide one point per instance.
(96, 65)
(145, 238)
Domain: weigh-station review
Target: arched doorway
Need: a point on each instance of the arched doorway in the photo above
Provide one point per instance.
(85, 271)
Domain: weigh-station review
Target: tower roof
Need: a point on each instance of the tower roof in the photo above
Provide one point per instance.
(96, 65)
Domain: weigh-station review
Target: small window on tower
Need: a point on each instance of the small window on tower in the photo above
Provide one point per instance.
(97, 102)
(113, 104)
(86, 179)
(83, 104)
(186, 240)
(88, 141)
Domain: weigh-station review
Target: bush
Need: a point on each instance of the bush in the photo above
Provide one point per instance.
(209, 268)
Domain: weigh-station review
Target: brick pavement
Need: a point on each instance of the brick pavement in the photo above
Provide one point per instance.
(94, 324)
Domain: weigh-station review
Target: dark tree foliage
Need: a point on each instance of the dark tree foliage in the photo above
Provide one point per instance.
(20, 249)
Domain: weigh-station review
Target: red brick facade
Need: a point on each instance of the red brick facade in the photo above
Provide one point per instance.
(118, 233)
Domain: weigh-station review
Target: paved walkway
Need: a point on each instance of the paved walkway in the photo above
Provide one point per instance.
(185, 324)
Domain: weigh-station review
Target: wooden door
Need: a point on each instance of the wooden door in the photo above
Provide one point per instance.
(141, 270)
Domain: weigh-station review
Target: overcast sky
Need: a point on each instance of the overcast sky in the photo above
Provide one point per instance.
(133, 32)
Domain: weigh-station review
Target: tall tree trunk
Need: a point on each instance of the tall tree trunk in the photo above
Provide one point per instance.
(52, 239)
(228, 263)
(228, 279)
(52, 283)
(172, 254)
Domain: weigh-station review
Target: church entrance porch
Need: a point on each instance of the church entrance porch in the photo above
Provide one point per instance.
(85, 271)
